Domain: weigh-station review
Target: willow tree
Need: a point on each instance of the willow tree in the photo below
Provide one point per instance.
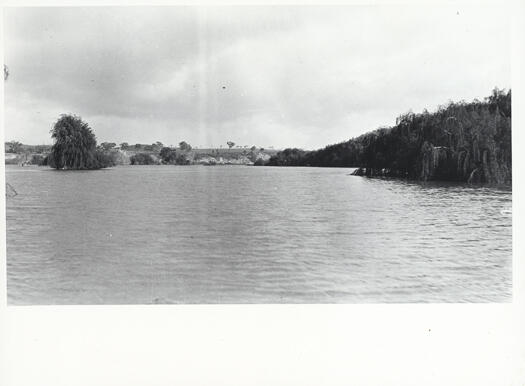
(75, 144)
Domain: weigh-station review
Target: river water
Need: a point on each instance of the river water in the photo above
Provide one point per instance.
(238, 234)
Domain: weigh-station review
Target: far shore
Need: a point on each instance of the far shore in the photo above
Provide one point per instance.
(135, 155)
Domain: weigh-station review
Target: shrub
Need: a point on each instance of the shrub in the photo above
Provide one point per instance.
(106, 159)
(168, 155)
(37, 159)
(142, 159)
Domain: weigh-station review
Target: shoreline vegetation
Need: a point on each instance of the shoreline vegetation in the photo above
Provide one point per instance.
(75, 148)
(464, 142)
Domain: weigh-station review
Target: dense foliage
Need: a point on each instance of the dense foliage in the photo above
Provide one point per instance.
(37, 159)
(13, 147)
(107, 146)
(184, 146)
(75, 145)
(142, 159)
(139, 147)
(107, 157)
(168, 155)
(460, 141)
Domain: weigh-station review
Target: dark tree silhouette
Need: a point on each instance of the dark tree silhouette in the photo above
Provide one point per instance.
(13, 147)
(168, 155)
(107, 145)
(184, 146)
(142, 159)
(458, 142)
(75, 145)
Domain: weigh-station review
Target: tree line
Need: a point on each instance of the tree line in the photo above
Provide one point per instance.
(75, 147)
(459, 141)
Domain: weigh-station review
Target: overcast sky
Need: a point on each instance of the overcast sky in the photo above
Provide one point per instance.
(288, 77)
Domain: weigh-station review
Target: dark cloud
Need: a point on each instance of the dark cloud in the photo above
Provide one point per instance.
(287, 76)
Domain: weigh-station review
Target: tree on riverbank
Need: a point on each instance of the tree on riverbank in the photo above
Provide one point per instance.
(13, 147)
(168, 155)
(184, 146)
(107, 146)
(75, 146)
(458, 142)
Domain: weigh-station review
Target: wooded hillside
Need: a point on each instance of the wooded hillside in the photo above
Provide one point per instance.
(459, 142)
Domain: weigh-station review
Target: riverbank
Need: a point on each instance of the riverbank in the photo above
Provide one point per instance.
(142, 155)
(468, 142)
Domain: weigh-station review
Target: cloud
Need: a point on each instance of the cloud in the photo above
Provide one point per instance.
(283, 76)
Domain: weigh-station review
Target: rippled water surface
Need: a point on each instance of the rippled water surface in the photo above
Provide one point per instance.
(233, 234)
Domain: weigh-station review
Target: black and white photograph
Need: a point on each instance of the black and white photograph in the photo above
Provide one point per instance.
(258, 155)
(252, 194)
